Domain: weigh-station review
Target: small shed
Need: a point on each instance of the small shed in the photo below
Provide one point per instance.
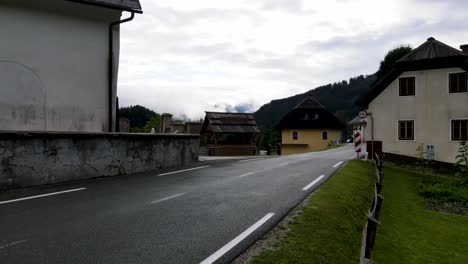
(230, 134)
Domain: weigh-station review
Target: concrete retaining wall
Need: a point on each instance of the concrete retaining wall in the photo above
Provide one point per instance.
(38, 158)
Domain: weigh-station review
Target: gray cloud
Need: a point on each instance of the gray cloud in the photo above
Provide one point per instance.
(188, 57)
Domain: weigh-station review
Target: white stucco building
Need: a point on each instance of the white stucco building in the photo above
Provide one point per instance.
(422, 100)
(55, 61)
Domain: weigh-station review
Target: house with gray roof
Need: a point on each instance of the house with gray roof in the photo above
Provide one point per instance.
(421, 101)
(59, 63)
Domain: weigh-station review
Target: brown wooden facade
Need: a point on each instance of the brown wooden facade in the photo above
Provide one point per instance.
(230, 134)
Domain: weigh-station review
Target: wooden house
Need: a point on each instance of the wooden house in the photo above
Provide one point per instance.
(230, 134)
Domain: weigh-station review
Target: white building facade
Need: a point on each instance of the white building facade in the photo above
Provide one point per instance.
(423, 100)
(54, 64)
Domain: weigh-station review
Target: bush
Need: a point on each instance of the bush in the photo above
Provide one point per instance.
(444, 190)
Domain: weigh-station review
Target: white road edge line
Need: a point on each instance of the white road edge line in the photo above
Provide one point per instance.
(313, 183)
(215, 256)
(245, 160)
(167, 198)
(41, 195)
(247, 174)
(13, 243)
(352, 157)
(338, 164)
(283, 164)
(173, 172)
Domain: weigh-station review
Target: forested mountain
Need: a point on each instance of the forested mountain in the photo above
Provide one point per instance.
(339, 98)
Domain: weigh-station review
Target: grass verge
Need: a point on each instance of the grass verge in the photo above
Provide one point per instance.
(410, 233)
(329, 230)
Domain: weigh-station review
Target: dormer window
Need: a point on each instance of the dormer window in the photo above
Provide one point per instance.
(407, 86)
(458, 82)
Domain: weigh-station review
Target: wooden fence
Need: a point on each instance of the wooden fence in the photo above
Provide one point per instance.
(374, 212)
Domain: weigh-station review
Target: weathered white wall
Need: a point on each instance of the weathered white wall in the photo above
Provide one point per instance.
(28, 159)
(53, 65)
(431, 109)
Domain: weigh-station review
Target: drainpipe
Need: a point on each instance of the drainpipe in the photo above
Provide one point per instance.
(110, 74)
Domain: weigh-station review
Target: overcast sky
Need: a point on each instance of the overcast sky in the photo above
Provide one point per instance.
(186, 57)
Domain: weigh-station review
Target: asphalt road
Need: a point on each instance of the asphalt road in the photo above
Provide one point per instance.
(209, 214)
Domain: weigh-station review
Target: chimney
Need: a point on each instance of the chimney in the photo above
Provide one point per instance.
(464, 49)
(166, 123)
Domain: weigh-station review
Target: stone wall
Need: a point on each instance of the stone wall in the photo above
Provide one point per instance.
(37, 158)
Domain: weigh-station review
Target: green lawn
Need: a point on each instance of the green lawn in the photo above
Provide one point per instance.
(409, 233)
(330, 228)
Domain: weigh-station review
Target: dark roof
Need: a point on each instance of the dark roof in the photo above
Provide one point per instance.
(309, 113)
(357, 120)
(431, 49)
(309, 103)
(432, 54)
(230, 123)
(123, 5)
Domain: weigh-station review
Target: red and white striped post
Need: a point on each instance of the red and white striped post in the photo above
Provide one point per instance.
(357, 143)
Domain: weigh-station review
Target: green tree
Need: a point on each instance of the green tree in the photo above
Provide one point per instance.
(268, 138)
(152, 123)
(138, 116)
(391, 58)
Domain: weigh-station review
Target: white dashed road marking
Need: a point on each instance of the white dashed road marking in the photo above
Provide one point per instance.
(174, 172)
(215, 256)
(41, 195)
(12, 244)
(245, 160)
(247, 174)
(338, 164)
(167, 198)
(313, 183)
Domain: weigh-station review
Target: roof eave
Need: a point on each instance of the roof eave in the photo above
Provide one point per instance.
(402, 66)
(110, 6)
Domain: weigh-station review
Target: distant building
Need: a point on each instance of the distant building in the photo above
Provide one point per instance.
(422, 100)
(59, 65)
(167, 125)
(309, 127)
(230, 134)
(193, 127)
(359, 124)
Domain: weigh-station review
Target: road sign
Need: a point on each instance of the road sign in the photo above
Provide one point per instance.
(357, 142)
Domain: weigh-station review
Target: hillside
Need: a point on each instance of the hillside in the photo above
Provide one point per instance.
(338, 97)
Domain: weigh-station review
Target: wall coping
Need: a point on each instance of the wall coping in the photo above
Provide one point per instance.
(64, 134)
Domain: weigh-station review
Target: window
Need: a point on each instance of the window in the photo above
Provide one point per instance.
(324, 135)
(406, 130)
(460, 130)
(295, 135)
(457, 82)
(407, 86)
